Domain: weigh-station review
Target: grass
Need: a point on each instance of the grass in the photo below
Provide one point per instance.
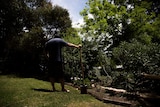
(30, 92)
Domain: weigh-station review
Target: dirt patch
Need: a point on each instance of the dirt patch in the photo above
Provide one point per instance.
(114, 99)
(126, 99)
(122, 97)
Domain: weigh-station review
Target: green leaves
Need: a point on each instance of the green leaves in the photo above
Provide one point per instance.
(25, 25)
(130, 28)
(138, 58)
(102, 18)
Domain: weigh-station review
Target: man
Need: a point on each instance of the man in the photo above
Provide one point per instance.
(55, 60)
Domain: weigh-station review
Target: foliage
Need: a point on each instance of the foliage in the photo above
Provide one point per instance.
(95, 60)
(103, 22)
(11, 21)
(130, 29)
(102, 27)
(137, 58)
(116, 21)
(25, 27)
(57, 19)
(72, 55)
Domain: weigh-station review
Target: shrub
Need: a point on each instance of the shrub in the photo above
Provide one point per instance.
(137, 58)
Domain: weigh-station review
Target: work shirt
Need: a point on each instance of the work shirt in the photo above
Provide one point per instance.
(54, 47)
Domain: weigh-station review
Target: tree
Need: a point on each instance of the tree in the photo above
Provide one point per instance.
(57, 19)
(72, 55)
(11, 21)
(24, 31)
(103, 26)
(103, 21)
(139, 24)
(138, 58)
(111, 24)
(137, 54)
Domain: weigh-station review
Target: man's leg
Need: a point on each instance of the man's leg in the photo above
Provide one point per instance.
(52, 80)
(62, 83)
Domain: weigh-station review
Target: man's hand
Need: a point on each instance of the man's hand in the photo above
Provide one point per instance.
(79, 46)
(48, 55)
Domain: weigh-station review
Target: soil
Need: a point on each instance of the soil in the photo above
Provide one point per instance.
(112, 98)
(123, 98)
(126, 99)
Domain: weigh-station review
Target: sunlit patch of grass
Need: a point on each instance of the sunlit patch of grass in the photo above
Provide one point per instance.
(30, 92)
(92, 103)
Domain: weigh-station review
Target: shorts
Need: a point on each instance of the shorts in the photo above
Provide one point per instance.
(55, 70)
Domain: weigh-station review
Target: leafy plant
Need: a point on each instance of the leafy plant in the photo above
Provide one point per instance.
(138, 58)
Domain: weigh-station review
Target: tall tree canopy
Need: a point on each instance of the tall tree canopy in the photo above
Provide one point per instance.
(121, 20)
(25, 25)
(130, 29)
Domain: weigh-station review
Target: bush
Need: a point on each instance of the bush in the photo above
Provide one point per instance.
(138, 58)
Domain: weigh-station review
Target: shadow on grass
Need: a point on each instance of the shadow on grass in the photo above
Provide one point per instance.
(42, 90)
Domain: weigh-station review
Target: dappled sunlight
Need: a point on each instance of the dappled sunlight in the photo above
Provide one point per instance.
(93, 103)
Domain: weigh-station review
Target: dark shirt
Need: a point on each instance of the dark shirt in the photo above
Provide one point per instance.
(54, 47)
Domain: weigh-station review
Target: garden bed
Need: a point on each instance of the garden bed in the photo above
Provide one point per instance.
(124, 98)
(114, 99)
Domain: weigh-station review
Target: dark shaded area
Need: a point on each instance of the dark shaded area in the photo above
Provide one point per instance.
(126, 99)
(19, 69)
(42, 90)
(22, 38)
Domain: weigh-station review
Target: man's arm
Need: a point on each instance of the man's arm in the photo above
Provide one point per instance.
(73, 45)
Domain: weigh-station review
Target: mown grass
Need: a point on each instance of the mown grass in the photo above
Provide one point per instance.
(30, 92)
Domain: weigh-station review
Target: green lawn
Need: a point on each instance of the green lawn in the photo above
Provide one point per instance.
(30, 92)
